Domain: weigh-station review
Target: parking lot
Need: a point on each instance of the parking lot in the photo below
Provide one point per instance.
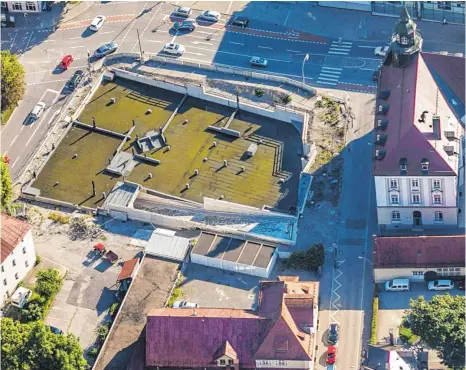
(392, 306)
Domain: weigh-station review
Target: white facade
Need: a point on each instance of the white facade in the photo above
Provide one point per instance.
(284, 364)
(416, 202)
(382, 275)
(24, 6)
(16, 266)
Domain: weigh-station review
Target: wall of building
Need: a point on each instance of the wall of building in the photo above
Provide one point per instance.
(353, 5)
(405, 191)
(413, 274)
(284, 364)
(24, 6)
(24, 262)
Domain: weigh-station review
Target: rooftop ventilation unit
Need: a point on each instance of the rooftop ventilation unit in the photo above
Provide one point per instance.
(382, 109)
(459, 55)
(380, 154)
(381, 139)
(382, 124)
(384, 94)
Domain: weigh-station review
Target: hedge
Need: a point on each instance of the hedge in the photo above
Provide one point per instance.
(375, 314)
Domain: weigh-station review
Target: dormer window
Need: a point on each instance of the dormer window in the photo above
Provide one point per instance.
(403, 167)
(404, 40)
(222, 362)
(425, 167)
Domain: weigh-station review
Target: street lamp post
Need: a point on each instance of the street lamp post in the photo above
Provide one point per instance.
(306, 58)
(368, 260)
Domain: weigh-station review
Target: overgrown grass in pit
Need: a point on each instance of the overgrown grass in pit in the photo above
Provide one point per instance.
(59, 218)
(6, 114)
(177, 292)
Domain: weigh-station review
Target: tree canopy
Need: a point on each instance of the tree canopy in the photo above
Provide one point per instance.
(6, 189)
(440, 323)
(33, 346)
(12, 80)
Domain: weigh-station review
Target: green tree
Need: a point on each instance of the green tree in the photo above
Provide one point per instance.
(310, 259)
(33, 346)
(440, 323)
(48, 282)
(12, 80)
(6, 189)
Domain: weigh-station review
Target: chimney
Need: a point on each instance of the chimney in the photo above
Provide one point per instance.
(436, 127)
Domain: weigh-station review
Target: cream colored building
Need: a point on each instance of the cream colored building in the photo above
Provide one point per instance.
(410, 257)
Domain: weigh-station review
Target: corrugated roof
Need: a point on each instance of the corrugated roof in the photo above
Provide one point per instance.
(127, 269)
(413, 90)
(419, 251)
(13, 231)
(166, 243)
(195, 338)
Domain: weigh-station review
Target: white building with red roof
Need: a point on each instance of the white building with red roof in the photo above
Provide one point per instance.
(418, 130)
(18, 254)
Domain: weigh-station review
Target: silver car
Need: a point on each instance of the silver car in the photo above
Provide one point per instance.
(210, 15)
(440, 285)
(258, 61)
(106, 49)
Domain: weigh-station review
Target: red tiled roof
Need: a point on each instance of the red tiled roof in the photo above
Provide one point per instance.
(127, 269)
(419, 251)
(450, 69)
(413, 90)
(13, 231)
(196, 338)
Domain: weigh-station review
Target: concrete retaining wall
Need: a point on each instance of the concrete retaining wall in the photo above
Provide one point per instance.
(147, 159)
(102, 130)
(94, 88)
(225, 131)
(175, 112)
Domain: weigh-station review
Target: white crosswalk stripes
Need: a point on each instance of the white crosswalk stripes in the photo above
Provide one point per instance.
(329, 75)
(340, 48)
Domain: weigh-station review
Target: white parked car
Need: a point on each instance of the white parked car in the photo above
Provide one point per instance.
(210, 15)
(381, 51)
(97, 23)
(440, 285)
(175, 49)
(182, 11)
(258, 61)
(185, 304)
(38, 110)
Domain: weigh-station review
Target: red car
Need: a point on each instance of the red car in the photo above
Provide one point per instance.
(331, 355)
(66, 61)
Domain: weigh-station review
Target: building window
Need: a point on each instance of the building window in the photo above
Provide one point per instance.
(4, 282)
(17, 6)
(404, 40)
(396, 216)
(425, 167)
(230, 362)
(436, 183)
(418, 273)
(31, 6)
(222, 362)
(24, 250)
(394, 198)
(437, 199)
(14, 263)
(415, 184)
(416, 198)
(438, 216)
(282, 363)
(393, 184)
(16, 276)
(26, 263)
(3, 269)
(449, 271)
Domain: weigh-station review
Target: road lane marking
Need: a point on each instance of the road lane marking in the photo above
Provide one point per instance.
(336, 52)
(14, 163)
(367, 47)
(236, 43)
(25, 49)
(293, 51)
(229, 7)
(12, 141)
(334, 68)
(188, 52)
(265, 47)
(287, 16)
(104, 33)
(75, 38)
(199, 42)
(42, 120)
(49, 41)
(145, 28)
(75, 47)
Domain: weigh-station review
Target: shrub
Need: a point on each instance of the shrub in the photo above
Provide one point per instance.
(310, 259)
(93, 352)
(48, 283)
(177, 292)
(38, 259)
(375, 314)
(34, 311)
(259, 92)
(113, 309)
(286, 99)
(59, 218)
(102, 332)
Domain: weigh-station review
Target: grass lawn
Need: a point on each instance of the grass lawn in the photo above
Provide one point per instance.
(406, 335)
(6, 114)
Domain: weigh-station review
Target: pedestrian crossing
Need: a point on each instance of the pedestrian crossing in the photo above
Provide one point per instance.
(340, 47)
(329, 75)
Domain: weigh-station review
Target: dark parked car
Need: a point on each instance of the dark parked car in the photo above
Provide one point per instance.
(333, 331)
(185, 25)
(55, 330)
(239, 22)
(75, 79)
